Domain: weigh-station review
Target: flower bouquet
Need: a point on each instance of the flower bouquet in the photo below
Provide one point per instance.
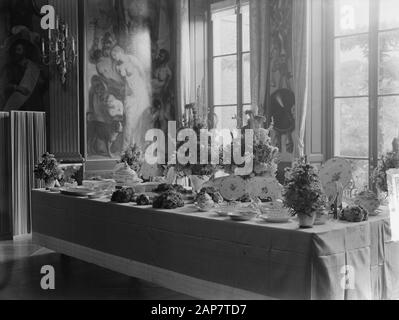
(265, 154)
(133, 157)
(48, 170)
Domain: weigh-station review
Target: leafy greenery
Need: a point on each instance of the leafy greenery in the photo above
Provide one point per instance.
(48, 169)
(303, 191)
(168, 200)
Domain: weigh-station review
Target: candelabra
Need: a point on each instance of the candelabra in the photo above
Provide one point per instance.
(60, 49)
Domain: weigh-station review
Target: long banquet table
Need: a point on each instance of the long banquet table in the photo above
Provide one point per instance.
(210, 257)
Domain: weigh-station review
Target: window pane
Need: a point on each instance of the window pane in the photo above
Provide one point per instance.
(352, 127)
(245, 28)
(225, 80)
(388, 123)
(351, 16)
(351, 66)
(226, 117)
(225, 32)
(246, 81)
(245, 117)
(389, 17)
(389, 62)
(360, 174)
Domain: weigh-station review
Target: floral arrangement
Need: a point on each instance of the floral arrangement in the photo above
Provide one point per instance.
(388, 161)
(196, 169)
(303, 192)
(133, 157)
(264, 155)
(70, 175)
(48, 169)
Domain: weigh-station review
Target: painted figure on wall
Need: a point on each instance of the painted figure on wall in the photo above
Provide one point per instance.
(162, 90)
(128, 72)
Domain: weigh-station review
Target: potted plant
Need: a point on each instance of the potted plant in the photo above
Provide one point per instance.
(303, 192)
(48, 170)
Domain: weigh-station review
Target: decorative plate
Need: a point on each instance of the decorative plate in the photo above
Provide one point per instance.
(276, 219)
(332, 191)
(264, 188)
(237, 216)
(232, 188)
(336, 170)
(216, 183)
(223, 212)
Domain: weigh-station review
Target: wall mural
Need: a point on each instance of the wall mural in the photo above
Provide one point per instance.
(130, 86)
(23, 77)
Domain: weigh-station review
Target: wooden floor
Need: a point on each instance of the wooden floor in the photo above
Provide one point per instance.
(21, 262)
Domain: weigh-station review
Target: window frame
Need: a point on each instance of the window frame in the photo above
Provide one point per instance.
(374, 94)
(219, 6)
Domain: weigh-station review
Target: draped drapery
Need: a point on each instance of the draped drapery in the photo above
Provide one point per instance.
(260, 54)
(5, 181)
(23, 141)
(28, 144)
(301, 69)
(183, 55)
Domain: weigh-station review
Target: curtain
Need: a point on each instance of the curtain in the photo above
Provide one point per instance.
(183, 55)
(260, 54)
(28, 144)
(5, 195)
(301, 69)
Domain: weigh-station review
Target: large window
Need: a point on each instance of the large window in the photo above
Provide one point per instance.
(366, 82)
(230, 63)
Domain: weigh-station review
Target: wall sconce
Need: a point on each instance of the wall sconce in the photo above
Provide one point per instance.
(60, 49)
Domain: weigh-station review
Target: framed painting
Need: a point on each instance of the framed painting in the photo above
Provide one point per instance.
(23, 75)
(128, 62)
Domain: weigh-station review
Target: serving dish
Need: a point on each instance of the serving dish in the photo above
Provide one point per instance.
(275, 218)
(77, 192)
(242, 215)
